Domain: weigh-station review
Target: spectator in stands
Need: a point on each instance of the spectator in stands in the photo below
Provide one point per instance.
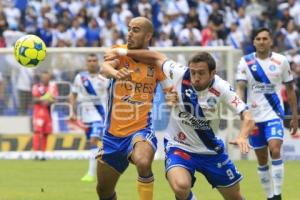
(3, 27)
(163, 40)
(93, 8)
(189, 36)
(76, 32)
(292, 36)
(294, 10)
(207, 33)
(60, 35)
(204, 10)
(106, 34)
(285, 17)
(193, 17)
(236, 37)
(244, 22)
(30, 22)
(2, 94)
(93, 33)
(46, 33)
(12, 15)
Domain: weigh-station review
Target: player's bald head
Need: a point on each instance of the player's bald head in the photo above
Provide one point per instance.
(145, 23)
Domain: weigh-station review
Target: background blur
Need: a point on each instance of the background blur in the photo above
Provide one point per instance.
(72, 29)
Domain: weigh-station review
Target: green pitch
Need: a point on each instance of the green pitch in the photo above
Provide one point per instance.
(60, 180)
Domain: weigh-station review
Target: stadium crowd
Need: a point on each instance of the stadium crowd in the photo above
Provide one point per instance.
(102, 23)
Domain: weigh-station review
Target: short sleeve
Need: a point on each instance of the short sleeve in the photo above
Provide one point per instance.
(241, 71)
(232, 100)
(76, 84)
(286, 73)
(174, 71)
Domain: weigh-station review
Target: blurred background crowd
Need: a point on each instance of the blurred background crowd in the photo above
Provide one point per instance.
(102, 23)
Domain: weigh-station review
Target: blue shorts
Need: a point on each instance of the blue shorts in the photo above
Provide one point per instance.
(95, 129)
(218, 169)
(266, 131)
(117, 150)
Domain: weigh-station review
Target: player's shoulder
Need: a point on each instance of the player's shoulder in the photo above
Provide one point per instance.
(279, 58)
(221, 85)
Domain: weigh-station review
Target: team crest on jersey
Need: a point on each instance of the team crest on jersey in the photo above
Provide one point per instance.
(254, 67)
(211, 102)
(150, 71)
(272, 68)
(137, 70)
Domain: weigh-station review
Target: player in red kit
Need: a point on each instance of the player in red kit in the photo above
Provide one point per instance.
(43, 95)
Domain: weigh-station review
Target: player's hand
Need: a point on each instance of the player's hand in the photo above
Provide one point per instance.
(47, 97)
(73, 116)
(171, 97)
(123, 74)
(242, 143)
(111, 54)
(293, 125)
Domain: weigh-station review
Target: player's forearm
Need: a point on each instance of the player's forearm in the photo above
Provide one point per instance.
(73, 99)
(292, 99)
(108, 71)
(247, 125)
(240, 89)
(147, 56)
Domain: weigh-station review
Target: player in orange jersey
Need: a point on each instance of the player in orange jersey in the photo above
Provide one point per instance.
(129, 136)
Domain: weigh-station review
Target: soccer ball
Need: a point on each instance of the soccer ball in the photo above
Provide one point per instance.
(30, 50)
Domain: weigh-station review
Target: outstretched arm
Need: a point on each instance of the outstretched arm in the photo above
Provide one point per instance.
(245, 130)
(141, 55)
(293, 104)
(109, 70)
(240, 89)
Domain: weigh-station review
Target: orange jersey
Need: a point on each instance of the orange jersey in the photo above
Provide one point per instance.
(130, 101)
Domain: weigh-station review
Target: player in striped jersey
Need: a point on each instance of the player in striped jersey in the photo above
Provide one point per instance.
(88, 99)
(191, 140)
(263, 73)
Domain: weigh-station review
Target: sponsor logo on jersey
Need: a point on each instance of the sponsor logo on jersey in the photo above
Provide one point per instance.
(192, 121)
(130, 100)
(263, 88)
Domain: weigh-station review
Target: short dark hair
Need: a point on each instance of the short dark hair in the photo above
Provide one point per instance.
(203, 57)
(256, 32)
(92, 55)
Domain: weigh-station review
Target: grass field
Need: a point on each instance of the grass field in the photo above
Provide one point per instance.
(60, 180)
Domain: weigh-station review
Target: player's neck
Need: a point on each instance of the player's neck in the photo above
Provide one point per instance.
(263, 55)
(93, 74)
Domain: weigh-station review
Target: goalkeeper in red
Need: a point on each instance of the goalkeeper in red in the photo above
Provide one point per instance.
(43, 95)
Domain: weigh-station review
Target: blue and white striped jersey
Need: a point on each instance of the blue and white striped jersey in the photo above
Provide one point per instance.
(264, 81)
(195, 120)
